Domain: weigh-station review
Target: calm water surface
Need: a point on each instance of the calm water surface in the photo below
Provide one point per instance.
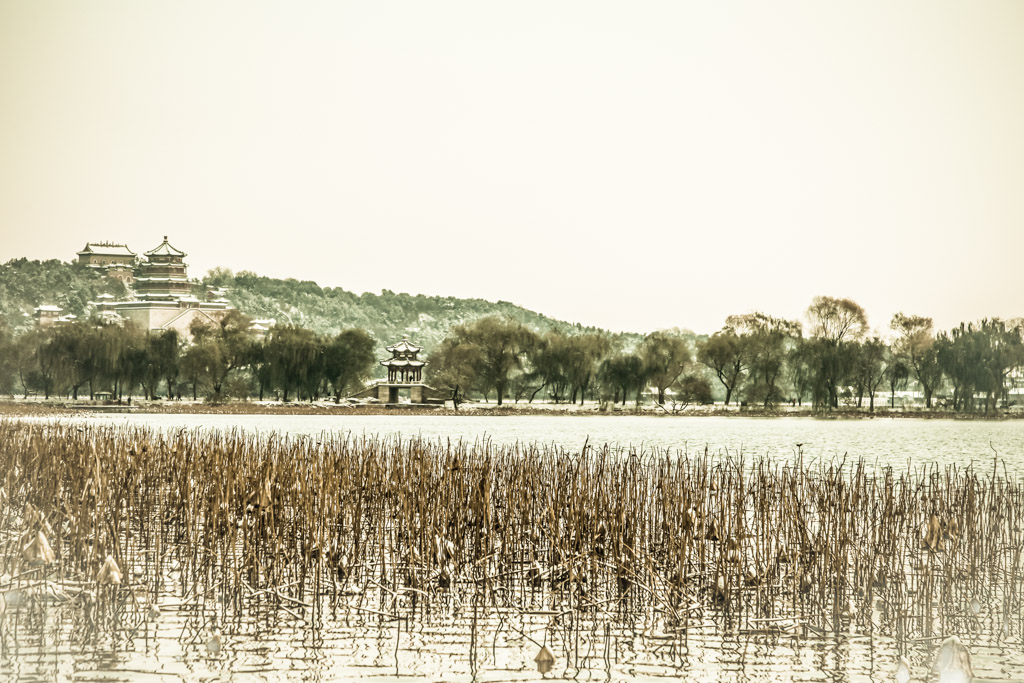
(889, 441)
(459, 641)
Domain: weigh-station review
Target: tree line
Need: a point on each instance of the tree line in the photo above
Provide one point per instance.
(754, 359)
(504, 359)
(222, 360)
(830, 360)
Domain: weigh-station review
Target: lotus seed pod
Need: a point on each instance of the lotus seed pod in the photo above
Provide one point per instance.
(932, 538)
(39, 551)
(544, 659)
(721, 591)
(109, 574)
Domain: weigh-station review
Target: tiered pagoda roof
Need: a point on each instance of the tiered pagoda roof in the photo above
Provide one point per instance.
(403, 366)
(404, 347)
(165, 249)
(402, 363)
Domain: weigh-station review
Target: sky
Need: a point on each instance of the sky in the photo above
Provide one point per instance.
(634, 166)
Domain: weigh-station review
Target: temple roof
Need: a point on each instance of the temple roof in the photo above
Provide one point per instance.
(165, 249)
(403, 363)
(107, 249)
(404, 347)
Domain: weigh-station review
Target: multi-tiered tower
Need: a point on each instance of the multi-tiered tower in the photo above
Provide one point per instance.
(163, 276)
(163, 295)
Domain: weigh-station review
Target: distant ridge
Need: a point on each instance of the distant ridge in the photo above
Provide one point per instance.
(388, 316)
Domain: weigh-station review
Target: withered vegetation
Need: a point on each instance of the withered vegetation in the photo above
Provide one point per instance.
(106, 520)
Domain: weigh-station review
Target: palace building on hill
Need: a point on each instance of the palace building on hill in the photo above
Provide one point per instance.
(115, 260)
(47, 315)
(163, 276)
(163, 295)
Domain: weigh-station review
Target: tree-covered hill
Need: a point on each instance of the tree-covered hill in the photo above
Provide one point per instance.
(26, 284)
(388, 316)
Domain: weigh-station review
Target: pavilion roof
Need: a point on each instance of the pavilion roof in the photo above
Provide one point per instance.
(403, 363)
(404, 346)
(165, 249)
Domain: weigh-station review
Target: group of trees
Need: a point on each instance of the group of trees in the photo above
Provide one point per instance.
(25, 284)
(755, 359)
(83, 358)
(222, 359)
(768, 360)
(503, 358)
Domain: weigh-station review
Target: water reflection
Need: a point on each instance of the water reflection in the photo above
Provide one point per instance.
(460, 641)
(898, 442)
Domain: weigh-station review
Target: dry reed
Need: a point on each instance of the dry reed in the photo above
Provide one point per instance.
(107, 519)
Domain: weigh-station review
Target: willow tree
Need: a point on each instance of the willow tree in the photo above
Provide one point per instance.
(164, 349)
(834, 325)
(766, 341)
(349, 360)
(7, 354)
(453, 368)
(725, 354)
(498, 347)
(870, 365)
(978, 359)
(549, 361)
(623, 375)
(665, 358)
(295, 355)
(915, 348)
(219, 348)
(586, 352)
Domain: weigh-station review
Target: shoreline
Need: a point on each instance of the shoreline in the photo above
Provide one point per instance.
(67, 408)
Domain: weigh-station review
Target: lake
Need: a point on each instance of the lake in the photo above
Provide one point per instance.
(887, 441)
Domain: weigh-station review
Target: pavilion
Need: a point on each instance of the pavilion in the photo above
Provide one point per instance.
(405, 371)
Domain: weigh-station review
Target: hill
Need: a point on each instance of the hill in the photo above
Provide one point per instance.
(388, 316)
(26, 284)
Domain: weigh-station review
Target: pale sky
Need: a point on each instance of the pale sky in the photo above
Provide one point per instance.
(631, 165)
